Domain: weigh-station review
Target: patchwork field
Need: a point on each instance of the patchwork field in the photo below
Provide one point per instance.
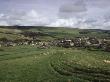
(27, 63)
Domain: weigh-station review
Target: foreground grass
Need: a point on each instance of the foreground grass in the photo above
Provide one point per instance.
(83, 64)
(31, 64)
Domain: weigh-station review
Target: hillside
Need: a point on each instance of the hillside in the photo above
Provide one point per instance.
(35, 63)
(61, 32)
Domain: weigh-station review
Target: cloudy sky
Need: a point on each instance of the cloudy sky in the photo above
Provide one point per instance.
(68, 13)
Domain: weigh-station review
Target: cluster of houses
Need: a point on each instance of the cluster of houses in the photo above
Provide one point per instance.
(85, 42)
(6, 43)
(31, 39)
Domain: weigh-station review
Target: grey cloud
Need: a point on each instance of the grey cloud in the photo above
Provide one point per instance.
(74, 7)
(90, 21)
(107, 17)
(99, 3)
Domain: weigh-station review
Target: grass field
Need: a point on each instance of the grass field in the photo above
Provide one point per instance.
(54, 64)
(31, 64)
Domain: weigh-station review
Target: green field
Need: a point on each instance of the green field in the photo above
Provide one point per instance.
(55, 64)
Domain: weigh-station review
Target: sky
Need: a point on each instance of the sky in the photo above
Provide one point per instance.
(84, 14)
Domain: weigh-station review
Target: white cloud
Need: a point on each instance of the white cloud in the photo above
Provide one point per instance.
(1, 15)
(27, 18)
(64, 23)
(33, 18)
(82, 23)
(3, 23)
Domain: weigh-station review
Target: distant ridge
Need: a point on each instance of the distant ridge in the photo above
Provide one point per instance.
(28, 27)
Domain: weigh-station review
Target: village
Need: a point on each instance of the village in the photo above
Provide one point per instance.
(91, 43)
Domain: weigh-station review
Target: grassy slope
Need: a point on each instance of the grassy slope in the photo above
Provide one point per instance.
(10, 33)
(31, 64)
(70, 32)
(52, 32)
